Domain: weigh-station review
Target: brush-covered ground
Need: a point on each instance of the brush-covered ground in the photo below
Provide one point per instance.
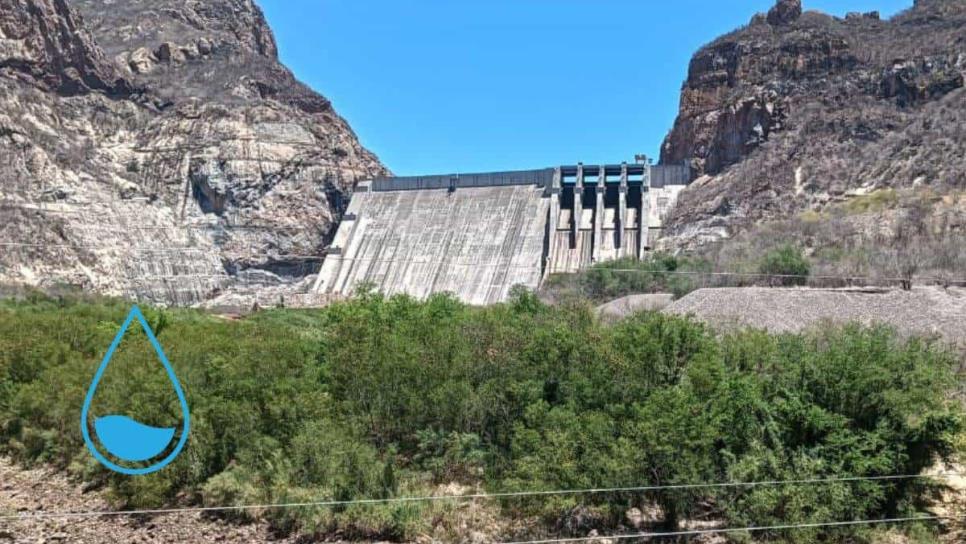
(382, 398)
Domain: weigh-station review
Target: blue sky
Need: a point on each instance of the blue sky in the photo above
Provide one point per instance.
(440, 86)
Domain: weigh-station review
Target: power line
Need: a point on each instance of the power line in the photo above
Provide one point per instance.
(180, 277)
(850, 279)
(188, 226)
(324, 253)
(754, 529)
(167, 249)
(767, 275)
(535, 267)
(475, 496)
(759, 275)
(80, 246)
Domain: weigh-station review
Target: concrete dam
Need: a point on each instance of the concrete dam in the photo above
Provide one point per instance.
(478, 235)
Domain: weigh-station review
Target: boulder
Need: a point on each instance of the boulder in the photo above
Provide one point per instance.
(205, 47)
(141, 61)
(170, 53)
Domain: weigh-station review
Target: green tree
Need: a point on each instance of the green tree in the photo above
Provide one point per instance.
(378, 397)
(785, 266)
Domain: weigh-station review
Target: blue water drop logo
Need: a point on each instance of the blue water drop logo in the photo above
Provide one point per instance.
(123, 437)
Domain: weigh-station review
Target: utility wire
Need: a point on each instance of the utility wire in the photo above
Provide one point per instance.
(667, 272)
(753, 529)
(474, 496)
(323, 254)
(168, 249)
(767, 275)
(188, 226)
(376, 260)
(452, 263)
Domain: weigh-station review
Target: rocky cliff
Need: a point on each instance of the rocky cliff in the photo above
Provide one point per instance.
(158, 149)
(799, 111)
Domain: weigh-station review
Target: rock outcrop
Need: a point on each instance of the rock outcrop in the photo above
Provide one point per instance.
(798, 110)
(158, 149)
(784, 12)
(43, 42)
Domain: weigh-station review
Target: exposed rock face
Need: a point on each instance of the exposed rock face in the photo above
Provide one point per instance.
(797, 110)
(159, 149)
(43, 42)
(738, 87)
(784, 12)
(913, 82)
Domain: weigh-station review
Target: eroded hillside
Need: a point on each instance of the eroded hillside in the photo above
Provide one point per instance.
(160, 150)
(851, 128)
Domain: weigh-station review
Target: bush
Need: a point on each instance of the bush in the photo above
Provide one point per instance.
(785, 266)
(659, 273)
(385, 397)
(914, 242)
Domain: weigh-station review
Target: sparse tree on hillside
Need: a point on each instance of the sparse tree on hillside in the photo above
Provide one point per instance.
(786, 266)
(910, 245)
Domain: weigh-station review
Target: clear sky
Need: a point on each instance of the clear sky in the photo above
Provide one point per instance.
(440, 86)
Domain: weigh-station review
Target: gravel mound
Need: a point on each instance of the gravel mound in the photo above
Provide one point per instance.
(921, 311)
(620, 308)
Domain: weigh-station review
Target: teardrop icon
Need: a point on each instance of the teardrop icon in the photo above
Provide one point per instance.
(123, 437)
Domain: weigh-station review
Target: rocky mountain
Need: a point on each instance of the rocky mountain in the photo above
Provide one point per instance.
(857, 119)
(159, 149)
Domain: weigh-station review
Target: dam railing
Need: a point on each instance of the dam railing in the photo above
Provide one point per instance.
(541, 178)
(659, 176)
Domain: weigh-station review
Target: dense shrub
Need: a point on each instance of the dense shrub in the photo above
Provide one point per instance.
(659, 273)
(785, 266)
(385, 397)
(891, 238)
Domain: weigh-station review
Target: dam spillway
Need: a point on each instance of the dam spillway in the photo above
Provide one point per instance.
(478, 235)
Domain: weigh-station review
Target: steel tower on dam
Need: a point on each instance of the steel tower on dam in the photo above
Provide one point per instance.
(478, 235)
